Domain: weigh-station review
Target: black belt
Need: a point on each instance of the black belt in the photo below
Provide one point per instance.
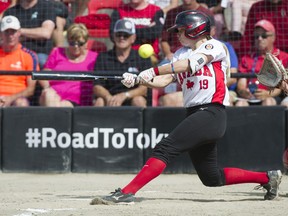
(195, 108)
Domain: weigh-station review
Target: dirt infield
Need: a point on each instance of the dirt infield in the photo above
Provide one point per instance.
(70, 194)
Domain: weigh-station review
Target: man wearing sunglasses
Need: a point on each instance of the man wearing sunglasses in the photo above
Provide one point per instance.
(119, 60)
(275, 11)
(249, 89)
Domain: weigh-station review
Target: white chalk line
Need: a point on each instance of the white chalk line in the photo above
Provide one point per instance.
(31, 211)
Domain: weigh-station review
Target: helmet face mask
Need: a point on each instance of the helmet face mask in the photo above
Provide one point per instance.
(194, 22)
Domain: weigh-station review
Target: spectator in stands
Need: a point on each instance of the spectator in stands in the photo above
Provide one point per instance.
(119, 60)
(75, 57)
(276, 12)
(38, 20)
(165, 5)
(15, 89)
(148, 19)
(248, 88)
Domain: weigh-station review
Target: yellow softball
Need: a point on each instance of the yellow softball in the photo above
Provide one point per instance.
(145, 50)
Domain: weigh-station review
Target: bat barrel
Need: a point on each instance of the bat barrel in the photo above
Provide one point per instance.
(61, 76)
(74, 76)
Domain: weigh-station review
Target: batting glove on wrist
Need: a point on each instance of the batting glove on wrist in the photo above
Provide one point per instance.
(146, 76)
(129, 80)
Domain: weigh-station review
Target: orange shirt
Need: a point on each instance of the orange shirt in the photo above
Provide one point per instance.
(17, 60)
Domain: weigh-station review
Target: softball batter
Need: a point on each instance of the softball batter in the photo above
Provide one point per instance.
(201, 67)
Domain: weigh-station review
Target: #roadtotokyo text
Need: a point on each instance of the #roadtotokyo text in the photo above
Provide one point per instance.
(130, 137)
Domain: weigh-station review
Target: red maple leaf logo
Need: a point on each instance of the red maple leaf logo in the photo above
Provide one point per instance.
(189, 84)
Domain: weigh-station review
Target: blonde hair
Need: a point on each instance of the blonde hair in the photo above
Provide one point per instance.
(76, 31)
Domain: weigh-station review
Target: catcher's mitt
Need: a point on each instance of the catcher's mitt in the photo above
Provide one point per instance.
(272, 72)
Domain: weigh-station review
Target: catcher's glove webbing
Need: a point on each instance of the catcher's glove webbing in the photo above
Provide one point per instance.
(272, 72)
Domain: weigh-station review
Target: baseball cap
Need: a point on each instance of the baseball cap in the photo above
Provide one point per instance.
(265, 24)
(124, 25)
(10, 22)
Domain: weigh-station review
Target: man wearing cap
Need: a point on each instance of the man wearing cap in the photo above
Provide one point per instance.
(249, 88)
(276, 12)
(148, 20)
(15, 89)
(38, 18)
(122, 58)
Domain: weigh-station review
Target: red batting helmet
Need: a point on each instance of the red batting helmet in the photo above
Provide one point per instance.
(196, 23)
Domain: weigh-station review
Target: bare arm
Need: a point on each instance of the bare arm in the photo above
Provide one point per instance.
(263, 94)
(118, 99)
(44, 83)
(181, 66)
(101, 91)
(160, 81)
(58, 36)
(29, 91)
(139, 91)
(242, 88)
(231, 81)
(43, 32)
